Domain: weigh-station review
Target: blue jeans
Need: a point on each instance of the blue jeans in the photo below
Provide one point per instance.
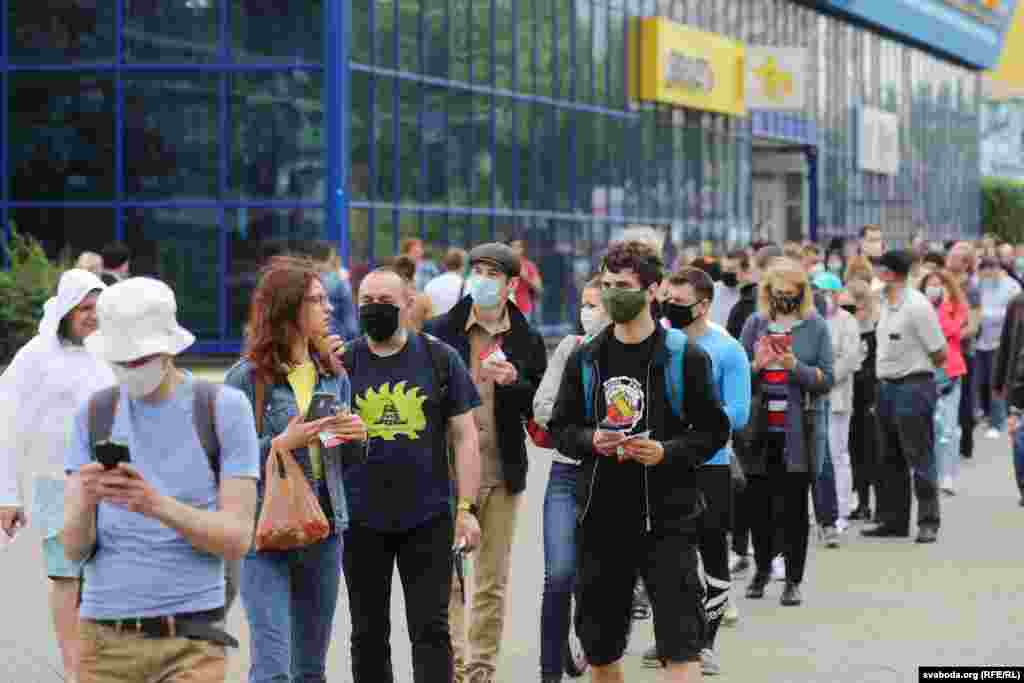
(993, 407)
(290, 598)
(559, 566)
(947, 432)
(826, 496)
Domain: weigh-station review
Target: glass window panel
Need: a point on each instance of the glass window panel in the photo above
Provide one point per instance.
(409, 36)
(435, 145)
(171, 137)
(384, 33)
(180, 247)
(384, 235)
(505, 150)
(481, 41)
(278, 30)
(410, 143)
(61, 135)
(359, 132)
(584, 50)
(463, 134)
(61, 230)
(505, 30)
(359, 232)
(254, 236)
(60, 32)
(362, 33)
(461, 37)
(524, 150)
(545, 47)
(384, 140)
(435, 36)
(178, 31)
(436, 229)
(277, 136)
(527, 34)
(599, 55)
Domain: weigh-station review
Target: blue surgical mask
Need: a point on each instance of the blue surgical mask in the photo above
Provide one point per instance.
(486, 292)
(1019, 263)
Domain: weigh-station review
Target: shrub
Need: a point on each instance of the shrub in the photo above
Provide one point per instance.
(1002, 209)
(24, 288)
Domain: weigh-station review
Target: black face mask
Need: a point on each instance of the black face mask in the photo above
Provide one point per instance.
(787, 305)
(851, 309)
(379, 321)
(680, 316)
(730, 280)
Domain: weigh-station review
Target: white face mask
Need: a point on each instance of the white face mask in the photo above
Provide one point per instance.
(141, 381)
(592, 319)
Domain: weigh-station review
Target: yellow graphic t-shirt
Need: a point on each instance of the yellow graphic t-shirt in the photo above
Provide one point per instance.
(390, 412)
(302, 379)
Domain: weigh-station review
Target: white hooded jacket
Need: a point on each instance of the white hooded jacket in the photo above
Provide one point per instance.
(41, 391)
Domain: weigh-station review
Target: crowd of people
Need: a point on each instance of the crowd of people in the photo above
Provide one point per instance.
(695, 424)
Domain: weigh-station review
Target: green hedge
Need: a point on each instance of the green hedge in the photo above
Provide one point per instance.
(1002, 209)
(24, 288)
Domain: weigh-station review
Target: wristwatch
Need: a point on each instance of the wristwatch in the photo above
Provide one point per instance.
(467, 505)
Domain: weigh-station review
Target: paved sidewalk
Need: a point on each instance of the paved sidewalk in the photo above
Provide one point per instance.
(874, 610)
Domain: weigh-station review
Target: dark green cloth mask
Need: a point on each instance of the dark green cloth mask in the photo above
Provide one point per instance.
(624, 305)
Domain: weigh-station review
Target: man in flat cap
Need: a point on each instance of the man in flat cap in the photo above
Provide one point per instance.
(507, 359)
(911, 349)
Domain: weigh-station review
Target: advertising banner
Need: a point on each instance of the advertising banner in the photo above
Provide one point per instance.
(776, 78)
(675, 64)
(971, 31)
(878, 141)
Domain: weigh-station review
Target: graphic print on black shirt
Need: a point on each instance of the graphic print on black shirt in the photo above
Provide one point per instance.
(618, 491)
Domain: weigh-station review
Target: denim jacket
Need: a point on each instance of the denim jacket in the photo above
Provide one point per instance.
(281, 407)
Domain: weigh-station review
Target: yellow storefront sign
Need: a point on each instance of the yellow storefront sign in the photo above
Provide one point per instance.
(674, 64)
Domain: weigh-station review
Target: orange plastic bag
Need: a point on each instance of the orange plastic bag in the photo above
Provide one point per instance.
(291, 516)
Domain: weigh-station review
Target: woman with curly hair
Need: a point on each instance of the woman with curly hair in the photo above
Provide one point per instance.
(290, 596)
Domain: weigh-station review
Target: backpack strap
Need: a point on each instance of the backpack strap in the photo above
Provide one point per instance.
(439, 361)
(204, 417)
(675, 341)
(102, 408)
(588, 388)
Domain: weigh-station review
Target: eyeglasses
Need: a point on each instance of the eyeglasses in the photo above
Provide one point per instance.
(316, 300)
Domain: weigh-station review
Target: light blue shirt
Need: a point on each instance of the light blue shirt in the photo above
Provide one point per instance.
(141, 567)
(731, 369)
(995, 299)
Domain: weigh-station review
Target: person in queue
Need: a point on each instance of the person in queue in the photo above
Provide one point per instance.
(416, 397)
(944, 294)
(791, 372)
(560, 498)
(689, 299)
(862, 303)
(290, 597)
(507, 359)
(911, 345)
(638, 502)
(147, 509)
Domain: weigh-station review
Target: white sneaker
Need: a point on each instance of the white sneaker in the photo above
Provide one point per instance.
(731, 616)
(779, 569)
(993, 433)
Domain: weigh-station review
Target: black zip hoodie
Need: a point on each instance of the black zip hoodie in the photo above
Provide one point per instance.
(671, 498)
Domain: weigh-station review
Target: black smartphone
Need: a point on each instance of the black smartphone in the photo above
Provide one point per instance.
(321, 405)
(110, 454)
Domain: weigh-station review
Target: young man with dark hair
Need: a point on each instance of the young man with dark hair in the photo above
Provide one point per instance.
(507, 360)
(116, 262)
(689, 298)
(729, 288)
(638, 397)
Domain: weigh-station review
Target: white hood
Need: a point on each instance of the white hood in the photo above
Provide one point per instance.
(41, 391)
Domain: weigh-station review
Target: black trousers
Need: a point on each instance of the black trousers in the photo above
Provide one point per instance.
(424, 558)
(780, 518)
(715, 482)
(967, 409)
(863, 447)
(906, 421)
(740, 522)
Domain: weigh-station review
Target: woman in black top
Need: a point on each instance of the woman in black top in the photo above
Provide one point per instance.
(863, 303)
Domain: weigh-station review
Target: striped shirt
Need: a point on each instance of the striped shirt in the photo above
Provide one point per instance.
(775, 385)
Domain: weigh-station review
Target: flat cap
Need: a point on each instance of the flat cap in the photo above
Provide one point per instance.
(898, 261)
(500, 255)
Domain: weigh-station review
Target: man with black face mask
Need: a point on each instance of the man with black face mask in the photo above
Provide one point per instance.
(411, 390)
(689, 297)
(727, 290)
(637, 407)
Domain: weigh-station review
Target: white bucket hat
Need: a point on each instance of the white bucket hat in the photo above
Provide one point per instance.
(137, 319)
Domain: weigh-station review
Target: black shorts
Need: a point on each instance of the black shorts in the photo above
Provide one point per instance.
(609, 563)
(715, 484)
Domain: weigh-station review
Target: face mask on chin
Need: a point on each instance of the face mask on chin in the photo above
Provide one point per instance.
(141, 381)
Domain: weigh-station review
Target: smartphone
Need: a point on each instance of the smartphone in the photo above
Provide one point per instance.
(782, 342)
(322, 405)
(110, 454)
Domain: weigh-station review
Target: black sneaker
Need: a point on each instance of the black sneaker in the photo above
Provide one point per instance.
(791, 595)
(861, 514)
(927, 534)
(884, 531)
(755, 591)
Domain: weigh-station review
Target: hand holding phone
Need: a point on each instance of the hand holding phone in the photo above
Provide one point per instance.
(110, 454)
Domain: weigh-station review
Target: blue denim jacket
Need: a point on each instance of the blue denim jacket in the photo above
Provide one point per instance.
(281, 407)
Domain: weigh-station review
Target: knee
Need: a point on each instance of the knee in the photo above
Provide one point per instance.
(559, 577)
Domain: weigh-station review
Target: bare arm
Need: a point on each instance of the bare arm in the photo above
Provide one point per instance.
(939, 358)
(465, 443)
(225, 532)
(79, 533)
(973, 322)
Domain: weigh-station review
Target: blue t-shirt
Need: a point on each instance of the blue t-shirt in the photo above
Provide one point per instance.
(731, 369)
(141, 567)
(405, 480)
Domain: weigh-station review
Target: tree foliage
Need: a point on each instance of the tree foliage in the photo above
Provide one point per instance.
(1002, 209)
